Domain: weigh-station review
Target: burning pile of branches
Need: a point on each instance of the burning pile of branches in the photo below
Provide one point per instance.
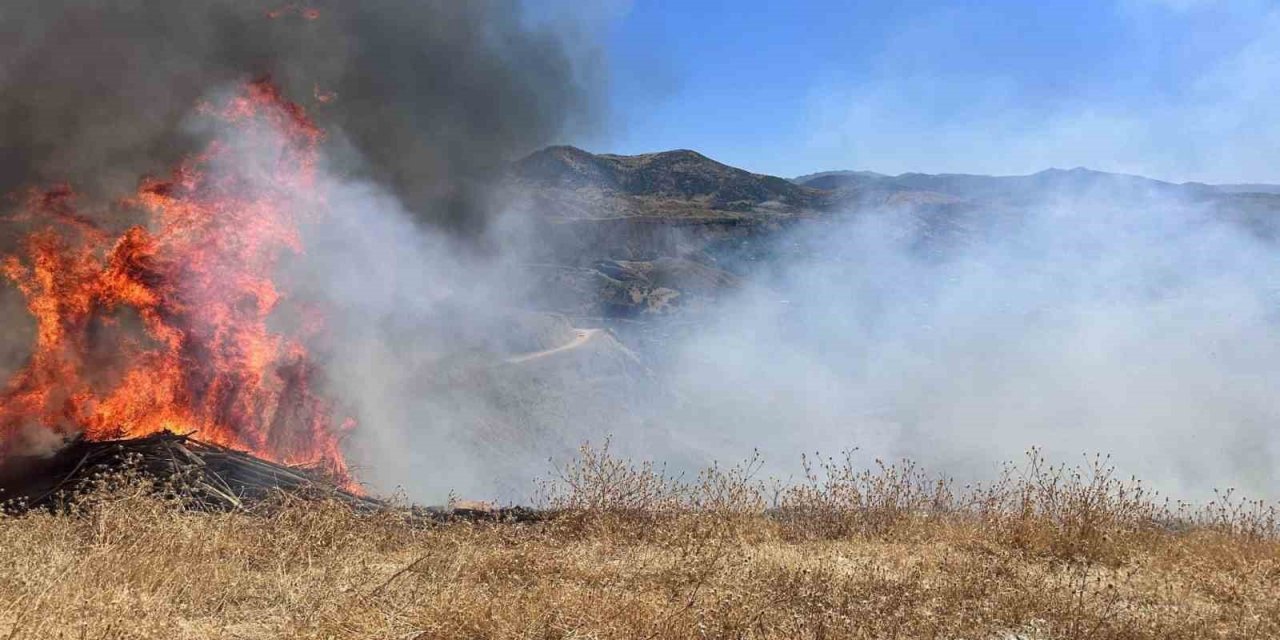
(202, 475)
(173, 324)
(161, 313)
(168, 326)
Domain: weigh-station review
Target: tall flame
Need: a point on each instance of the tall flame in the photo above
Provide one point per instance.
(166, 325)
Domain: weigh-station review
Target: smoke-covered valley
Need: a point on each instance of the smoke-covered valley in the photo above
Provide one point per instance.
(692, 312)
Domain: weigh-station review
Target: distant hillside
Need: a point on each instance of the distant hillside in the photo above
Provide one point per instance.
(682, 186)
(652, 180)
(651, 234)
(979, 187)
(663, 233)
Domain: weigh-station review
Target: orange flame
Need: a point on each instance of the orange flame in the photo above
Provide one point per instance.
(166, 326)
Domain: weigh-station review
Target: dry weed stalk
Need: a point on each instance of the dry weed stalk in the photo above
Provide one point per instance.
(1044, 552)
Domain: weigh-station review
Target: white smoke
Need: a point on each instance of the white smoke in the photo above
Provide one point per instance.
(1138, 325)
(1144, 328)
(421, 329)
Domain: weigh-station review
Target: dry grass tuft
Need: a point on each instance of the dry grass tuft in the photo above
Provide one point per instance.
(1044, 552)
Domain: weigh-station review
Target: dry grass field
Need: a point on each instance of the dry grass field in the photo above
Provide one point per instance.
(1046, 552)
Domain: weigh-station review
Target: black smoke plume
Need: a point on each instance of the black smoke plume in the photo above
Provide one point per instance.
(434, 96)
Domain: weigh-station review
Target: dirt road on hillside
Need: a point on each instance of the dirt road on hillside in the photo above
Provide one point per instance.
(581, 337)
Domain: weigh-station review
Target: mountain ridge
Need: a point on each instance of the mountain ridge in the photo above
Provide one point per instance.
(654, 233)
(679, 173)
(650, 183)
(838, 179)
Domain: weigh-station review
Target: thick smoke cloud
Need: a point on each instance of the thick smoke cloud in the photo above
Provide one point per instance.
(432, 95)
(419, 347)
(1139, 326)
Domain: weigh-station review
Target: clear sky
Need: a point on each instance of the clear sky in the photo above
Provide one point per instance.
(1174, 89)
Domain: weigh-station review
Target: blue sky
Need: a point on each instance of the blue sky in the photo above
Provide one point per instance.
(1175, 89)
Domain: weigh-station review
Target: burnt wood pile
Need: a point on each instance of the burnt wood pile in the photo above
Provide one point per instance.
(202, 475)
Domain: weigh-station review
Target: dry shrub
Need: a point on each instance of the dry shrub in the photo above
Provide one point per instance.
(837, 499)
(1044, 552)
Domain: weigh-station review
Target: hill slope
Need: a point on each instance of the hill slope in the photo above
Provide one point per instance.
(642, 235)
(680, 182)
(1070, 181)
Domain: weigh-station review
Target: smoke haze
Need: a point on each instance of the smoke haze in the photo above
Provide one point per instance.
(1143, 327)
(1137, 324)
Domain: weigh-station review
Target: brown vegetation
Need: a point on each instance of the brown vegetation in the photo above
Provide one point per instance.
(1046, 552)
